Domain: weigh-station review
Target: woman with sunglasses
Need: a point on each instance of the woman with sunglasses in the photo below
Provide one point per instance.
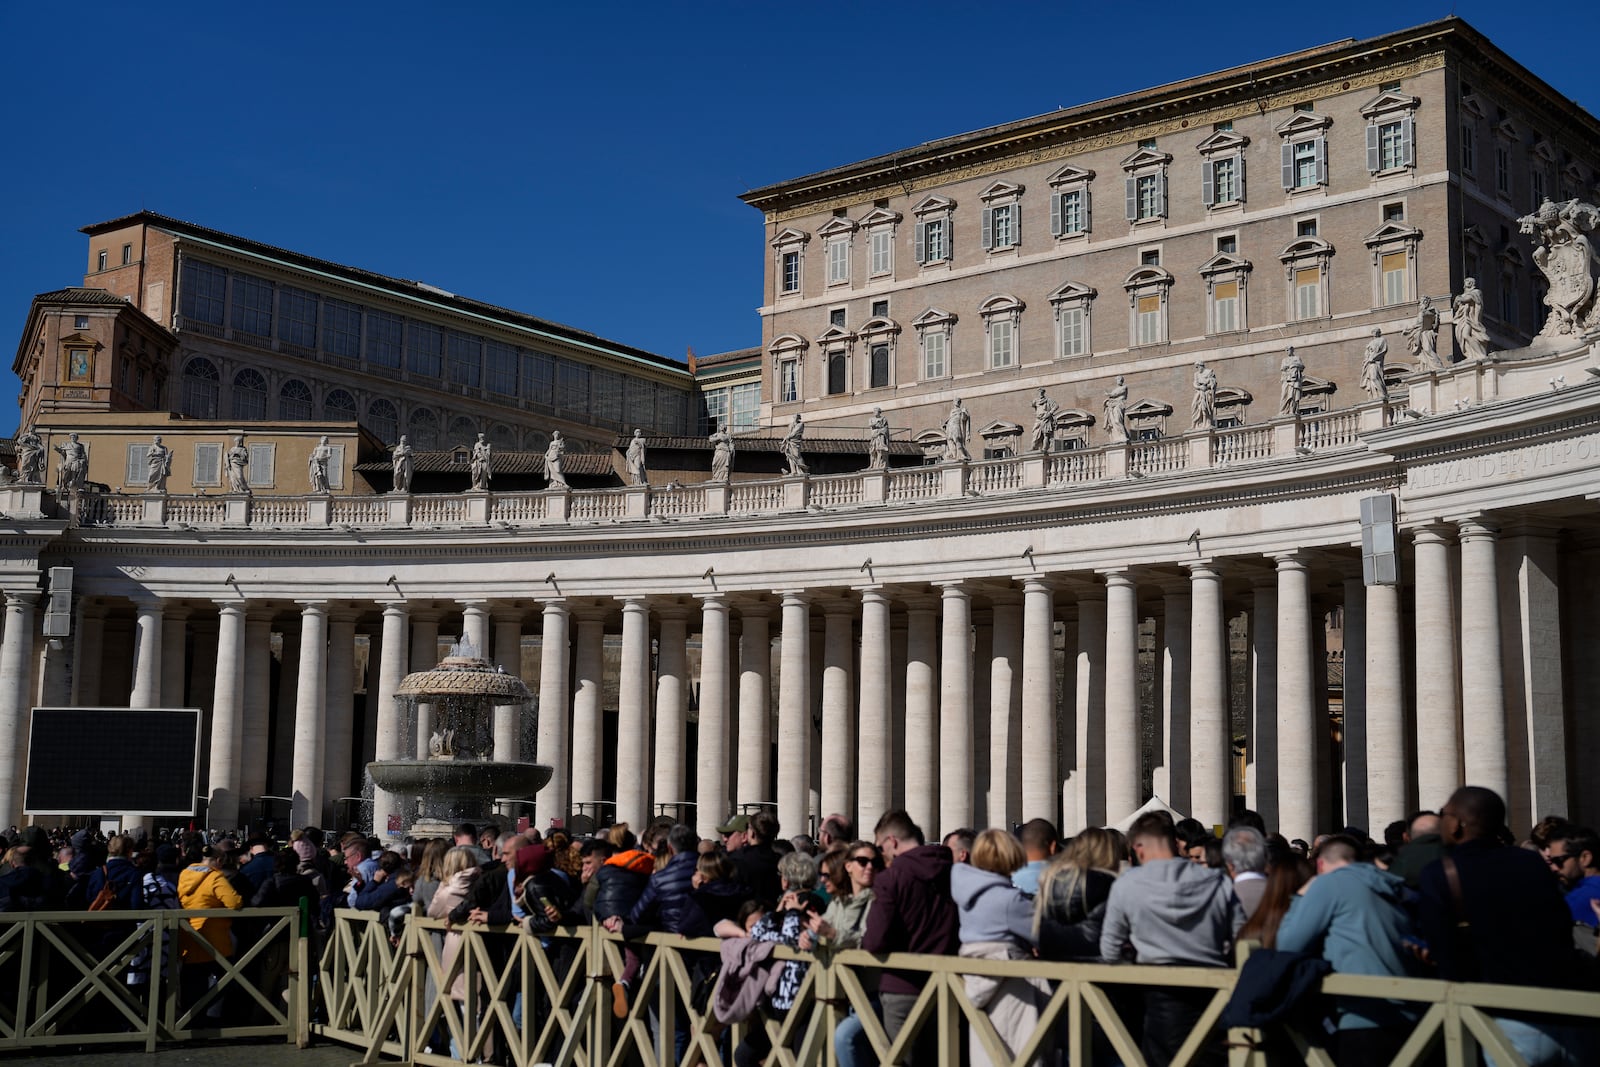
(840, 928)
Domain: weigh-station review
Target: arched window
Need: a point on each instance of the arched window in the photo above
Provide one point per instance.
(201, 383)
(249, 395)
(423, 426)
(383, 420)
(294, 401)
(538, 440)
(501, 437)
(463, 431)
(339, 406)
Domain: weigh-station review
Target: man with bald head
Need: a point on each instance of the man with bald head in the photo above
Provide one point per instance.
(1423, 846)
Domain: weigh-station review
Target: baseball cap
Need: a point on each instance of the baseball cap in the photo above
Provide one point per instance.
(735, 825)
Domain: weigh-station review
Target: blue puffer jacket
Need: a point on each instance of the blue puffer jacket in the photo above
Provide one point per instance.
(124, 878)
(620, 882)
(668, 902)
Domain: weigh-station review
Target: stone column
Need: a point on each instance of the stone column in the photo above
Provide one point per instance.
(875, 793)
(633, 715)
(754, 784)
(227, 717)
(982, 654)
(1177, 666)
(1262, 771)
(339, 712)
(147, 668)
(1387, 760)
(1006, 670)
(1122, 734)
(311, 694)
(1538, 770)
(794, 717)
(955, 710)
(711, 762)
(838, 777)
(1040, 774)
(424, 657)
(672, 679)
(921, 717)
(15, 647)
(1356, 802)
(174, 646)
(1483, 697)
(390, 740)
(280, 767)
(551, 748)
(587, 711)
(1438, 751)
(1211, 747)
(86, 655)
(1090, 719)
(1297, 741)
(508, 717)
(475, 626)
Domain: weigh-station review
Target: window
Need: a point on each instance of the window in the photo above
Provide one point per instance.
(1225, 307)
(838, 372)
(1224, 181)
(879, 358)
(935, 353)
(1071, 303)
(424, 349)
(1536, 185)
(462, 431)
(880, 309)
(1147, 316)
(1002, 319)
(297, 314)
(744, 405)
(881, 244)
(249, 396)
(1389, 145)
(263, 464)
(1071, 214)
(788, 380)
(638, 399)
(607, 388)
(572, 386)
(138, 470)
(838, 250)
(501, 366)
(539, 378)
(1508, 298)
(1502, 170)
(1393, 247)
(80, 322)
(1305, 228)
(790, 249)
(878, 337)
(294, 401)
(341, 329)
(836, 317)
(466, 359)
(1394, 212)
(1150, 257)
(1469, 147)
(127, 254)
(1395, 274)
(383, 420)
(252, 305)
(423, 427)
(672, 410)
(384, 339)
(200, 387)
(933, 243)
(1001, 226)
(1304, 174)
(1228, 244)
(1147, 204)
(101, 258)
(791, 272)
(207, 464)
(1308, 293)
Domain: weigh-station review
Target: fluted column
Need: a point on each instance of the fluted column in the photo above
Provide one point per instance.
(424, 657)
(174, 646)
(587, 691)
(339, 712)
(875, 790)
(311, 694)
(1090, 719)
(227, 717)
(838, 708)
(633, 714)
(1041, 777)
(1210, 746)
(1177, 665)
(257, 704)
(1122, 733)
(1387, 745)
(1356, 802)
(672, 677)
(711, 762)
(794, 716)
(1297, 741)
(921, 717)
(1006, 670)
(551, 748)
(754, 785)
(1438, 751)
(390, 737)
(147, 667)
(508, 717)
(1483, 695)
(16, 644)
(86, 655)
(475, 626)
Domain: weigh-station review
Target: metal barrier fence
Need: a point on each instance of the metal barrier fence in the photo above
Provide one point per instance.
(394, 1000)
(115, 977)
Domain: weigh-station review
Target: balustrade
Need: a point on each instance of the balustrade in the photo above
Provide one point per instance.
(360, 511)
(196, 511)
(677, 501)
(438, 510)
(1336, 429)
(519, 507)
(1076, 466)
(278, 511)
(1159, 457)
(755, 497)
(995, 476)
(599, 505)
(1241, 444)
(836, 490)
(918, 483)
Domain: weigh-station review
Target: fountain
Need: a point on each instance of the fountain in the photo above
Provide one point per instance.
(458, 778)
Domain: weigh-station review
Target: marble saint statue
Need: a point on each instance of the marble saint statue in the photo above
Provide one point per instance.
(1293, 373)
(238, 461)
(74, 468)
(957, 428)
(877, 441)
(1372, 360)
(30, 458)
(403, 465)
(721, 454)
(1470, 334)
(791, 448)
(158, 466)
(1117, 411)
(635, 460)
(1422, 337)
(482, 464)
(1203, 410)
(553, 473)
(1045, 411)
(317, 466)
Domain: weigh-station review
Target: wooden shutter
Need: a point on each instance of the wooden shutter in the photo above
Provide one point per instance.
(1086, 219)
(1238, 176)
(138, 472)
(1408, 141)
(1016, 225)
(1322, 161)
(1133, 198)
(921, 242)
(1288, 165)
(988, 228)
(263, 461)
(207, 464)
(1161, 193)
(1057, 222)
(1374, 148)
(1208, 182)
(336, 467)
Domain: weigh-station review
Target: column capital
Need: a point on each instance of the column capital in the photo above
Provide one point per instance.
(232, 607)
(1037, 583)
(1117, 577)
(791, 596)
(1290, 561)
(474, 605)
(313, 607)
(1203, 569)
(953, 591)
(1477, 529)
(393, 607)
(554, 606)
(712, 601)
(873, 594)
(635, 603)
(1432, 533)
(147, 602)
(27, 598)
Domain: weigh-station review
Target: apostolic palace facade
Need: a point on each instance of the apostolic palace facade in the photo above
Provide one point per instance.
(1235, 441)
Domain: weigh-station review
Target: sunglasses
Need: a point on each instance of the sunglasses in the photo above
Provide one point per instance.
(1556, 861)
(864, 861)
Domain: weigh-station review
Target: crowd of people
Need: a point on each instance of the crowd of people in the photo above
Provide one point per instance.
(1449, 894)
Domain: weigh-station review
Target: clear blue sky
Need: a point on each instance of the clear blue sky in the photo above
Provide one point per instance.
(581, 162)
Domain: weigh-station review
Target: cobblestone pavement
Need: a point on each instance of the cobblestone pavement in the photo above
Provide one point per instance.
(200, 1054)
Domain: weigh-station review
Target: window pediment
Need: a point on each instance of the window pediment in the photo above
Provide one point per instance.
(1314, 386)
(1222, 141)
(1302, 123)
(1472, 105)
(1149, 409)
(834, 335)
(1224, 263)
(1074, 417)
(1574, 173)
(880, 216)
(81, 340)
(1073, 291)
(836, 226)
(878, 326)
(1146, 157)
(790, 237)
(1000, 428)
(1001, 305)
(929, 437)
(1473, 235)
(1068, 175)
(1511, 255)
(1148, 276)
(1392, 233)
(1507, 130)
(1305, 248)
(1001, 192)
(1233, 396)
(934, 205)
(1387, 102)
(933, 317)
(788, 343)
(1545, 151)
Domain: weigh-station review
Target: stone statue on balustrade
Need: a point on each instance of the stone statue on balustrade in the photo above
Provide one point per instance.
(1422, 337)
(553, 474)
(1117, 412)
(877, 441)
(158, 466)
(1045, 412)
(1203, 410)
(237, 460)
(1567, 257)
(721, 454)
(317, 466)
(30, 458)
(957, 428)
(74, 468)
(635, 460)
(1472, 338)
(1372, 361)
(1293, 372)
(791, 448)
(403, 464)
(482, 464)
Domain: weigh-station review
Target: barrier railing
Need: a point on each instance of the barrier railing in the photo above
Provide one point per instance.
(116, 977)
(535, 999)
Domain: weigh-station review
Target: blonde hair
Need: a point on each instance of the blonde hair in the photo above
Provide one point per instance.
(998, 852)
(458, 859)
(431, 866)
(1095, 849)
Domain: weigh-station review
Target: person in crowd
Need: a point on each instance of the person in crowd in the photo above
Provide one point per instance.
(158, 891)
(1353, 914)
(202, 886)
(797, 904)
(805, 843)
(286, 888)
(461, 873)
(995, 922)
(1285, 878)
(1070, 907)
(120, 872)
(259, 864)
(1039, 842)
(1167, 911)
(959, 842)
(912, 911)
(1244, 850)
(1573, 852)
(667, 904)
(1422, 846)
(621, 877)
(836, 830)
(430, 872)
(466, 836)
(1544, 830)
(383, 892)
(717, 889)
(1192, 837)
(841, 927)
(749, 841)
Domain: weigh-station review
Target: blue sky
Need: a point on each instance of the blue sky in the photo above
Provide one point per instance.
(579, 162)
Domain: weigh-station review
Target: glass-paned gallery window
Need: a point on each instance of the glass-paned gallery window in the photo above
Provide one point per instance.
(672, 409)
(745, 405)
(1147, 320)
(572, 380)
(204, 292)
(249, 396)
(638, 399)
(935, 353)
(1308, 292)
(341, 329)
(1225, 306)
(384, 421)
(879, 357)
(500, 363)
(297, 317)
(294, 401)
(339, 406)
(466, 359)
(252, 305)
(423, 427)
(539, 377)
(424, 350)
(1395, 267)
(1074, 332)
(385, 334)
(607, 388)
(713, 409)
(201, 385)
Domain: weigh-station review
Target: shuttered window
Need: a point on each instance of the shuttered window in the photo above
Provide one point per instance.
(791, 272)
(1074, 333)
(881, 246)
(1147, 196)
(933, 240)
(1000, 226)
(1147, 320)
(1390, 145)
(207, 464)
(1225, 306)
(263, 464)
(1222, 181)
(935, 354)
(138, 472)
(1308, 293)
(1069, 212)
(838, 260)
(1395, 267)
(1305, 163)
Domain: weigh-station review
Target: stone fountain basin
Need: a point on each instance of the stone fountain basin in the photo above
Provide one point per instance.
(459, 778)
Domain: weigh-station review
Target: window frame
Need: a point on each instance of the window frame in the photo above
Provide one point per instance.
(936, 214)
(875, 333)
(1391, 239)
(1222, 270)
(935, 323)
(1303, 254)
(1002, 208)
(1073, 299)
(1148, 283)
(787, 354)
(1303, 130)
(1002, 328)
(786, 242)
(1071, 181)
(1391, 121)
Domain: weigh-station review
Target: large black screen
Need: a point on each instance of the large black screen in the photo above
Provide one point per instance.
(105, 761)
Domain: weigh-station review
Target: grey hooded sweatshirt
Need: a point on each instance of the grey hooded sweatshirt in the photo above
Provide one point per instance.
(1172, 912)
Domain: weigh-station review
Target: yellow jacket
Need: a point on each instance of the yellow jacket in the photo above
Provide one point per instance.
(203, 886)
